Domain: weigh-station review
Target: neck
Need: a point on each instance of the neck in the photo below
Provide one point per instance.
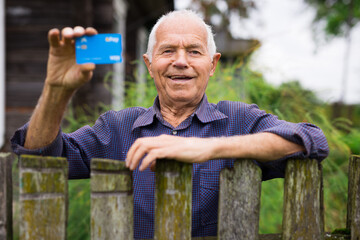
(176, 114)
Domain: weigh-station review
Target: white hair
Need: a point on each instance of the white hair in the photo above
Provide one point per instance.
(189, 13)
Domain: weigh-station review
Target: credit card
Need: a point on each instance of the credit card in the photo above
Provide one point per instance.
(102, 48)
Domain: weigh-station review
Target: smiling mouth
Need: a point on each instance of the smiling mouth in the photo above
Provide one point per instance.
(180, 77)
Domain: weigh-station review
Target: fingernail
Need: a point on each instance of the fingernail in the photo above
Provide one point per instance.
(67, 31)
(78, 30)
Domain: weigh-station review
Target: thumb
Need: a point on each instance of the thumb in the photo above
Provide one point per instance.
(87, 70)
(87, 67)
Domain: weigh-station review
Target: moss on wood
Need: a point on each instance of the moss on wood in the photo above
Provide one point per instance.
(173, 200)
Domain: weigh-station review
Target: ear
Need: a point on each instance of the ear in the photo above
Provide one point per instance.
(148, 64)
(214, 63)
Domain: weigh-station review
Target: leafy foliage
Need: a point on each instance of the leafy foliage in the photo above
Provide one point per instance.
(79, 209)
(339, 16)
(223, 11)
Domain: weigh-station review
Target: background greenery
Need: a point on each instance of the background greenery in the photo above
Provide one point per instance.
(289, 101)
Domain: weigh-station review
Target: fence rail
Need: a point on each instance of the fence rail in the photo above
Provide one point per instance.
(5, 196)
(44, 200)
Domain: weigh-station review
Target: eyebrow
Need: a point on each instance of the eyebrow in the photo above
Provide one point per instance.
(195, 45)
(164, 46)
(190, 46)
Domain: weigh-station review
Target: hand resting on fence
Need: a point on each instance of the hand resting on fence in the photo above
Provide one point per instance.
(260, 146)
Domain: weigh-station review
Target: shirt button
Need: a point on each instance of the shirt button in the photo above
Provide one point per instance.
(174, 132)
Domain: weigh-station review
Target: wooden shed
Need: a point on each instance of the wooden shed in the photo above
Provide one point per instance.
(27, 24)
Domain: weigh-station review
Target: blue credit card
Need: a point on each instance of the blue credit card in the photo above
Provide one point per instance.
(99, 49)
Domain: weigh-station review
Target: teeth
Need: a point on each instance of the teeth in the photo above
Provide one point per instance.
(180, 77)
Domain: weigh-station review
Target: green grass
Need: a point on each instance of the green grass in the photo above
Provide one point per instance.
(272, 198)
(79, 210)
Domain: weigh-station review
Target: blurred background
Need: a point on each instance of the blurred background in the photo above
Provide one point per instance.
(297, 59)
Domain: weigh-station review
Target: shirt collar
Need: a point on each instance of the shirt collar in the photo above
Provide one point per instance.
(145, 118)
(205, 112)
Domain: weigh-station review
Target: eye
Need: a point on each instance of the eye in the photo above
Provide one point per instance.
(195, 52)
(167, 51)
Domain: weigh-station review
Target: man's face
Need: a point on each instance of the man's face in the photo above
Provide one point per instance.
(181, 64)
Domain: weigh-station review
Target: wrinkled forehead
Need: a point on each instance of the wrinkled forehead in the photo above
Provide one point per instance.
(182, 25)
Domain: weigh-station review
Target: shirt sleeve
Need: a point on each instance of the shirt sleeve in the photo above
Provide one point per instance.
(78, 147)
(304, 134)
(18, 141)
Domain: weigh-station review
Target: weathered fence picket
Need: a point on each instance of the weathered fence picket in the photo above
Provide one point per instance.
(111, 200)
(43, 200)
(6, 160)
(303, 217)
(239, 201)
(173, 200)
(353, 208)
(43, 197)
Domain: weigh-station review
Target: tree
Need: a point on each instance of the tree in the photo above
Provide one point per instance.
(219, 12)
(340, 17)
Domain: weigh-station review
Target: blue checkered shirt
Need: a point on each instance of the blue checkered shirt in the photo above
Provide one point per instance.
(115, 131)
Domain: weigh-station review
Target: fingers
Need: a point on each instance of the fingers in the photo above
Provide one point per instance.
(142, 147)
(151, 157)
(54, 37)
(68, 34)
(153, 166)
(135, 159)
(129, 156)
(184, 149)
(90, 31)
(136, 152)
(78, 31)
(148, 160)
(149, 149)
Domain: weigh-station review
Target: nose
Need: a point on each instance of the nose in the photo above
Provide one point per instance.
(180, 60)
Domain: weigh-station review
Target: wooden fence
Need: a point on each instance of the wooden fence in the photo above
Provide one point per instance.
(44, 201)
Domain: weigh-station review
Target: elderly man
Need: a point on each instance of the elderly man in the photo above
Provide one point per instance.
(181, 124)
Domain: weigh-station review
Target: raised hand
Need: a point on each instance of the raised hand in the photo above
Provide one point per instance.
(63, 78)
(62, 70)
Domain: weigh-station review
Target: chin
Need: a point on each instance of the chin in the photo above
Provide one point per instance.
(185, 99)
